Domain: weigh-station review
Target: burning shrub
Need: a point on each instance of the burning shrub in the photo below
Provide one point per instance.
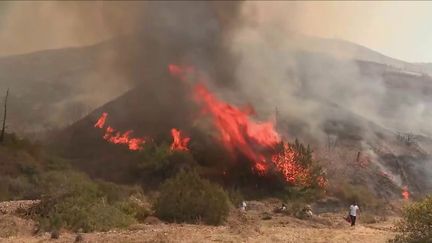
(295, 163)
(415, 225)
(243, 136)
(189, 198)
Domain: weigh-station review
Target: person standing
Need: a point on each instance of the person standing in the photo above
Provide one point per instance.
(353, 213)
(243, 206)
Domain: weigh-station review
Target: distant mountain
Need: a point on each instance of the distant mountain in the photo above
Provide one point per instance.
(54, 88)
(345, 49)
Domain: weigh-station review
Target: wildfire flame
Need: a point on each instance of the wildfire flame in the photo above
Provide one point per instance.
(239, 132)
(179, 143)
(405, 193)
(293, 172)
(101, 121)
(116, 137)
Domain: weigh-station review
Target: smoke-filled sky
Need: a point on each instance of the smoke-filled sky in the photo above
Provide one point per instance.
(397, 29)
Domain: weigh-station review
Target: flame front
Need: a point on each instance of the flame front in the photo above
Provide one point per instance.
(179, 143)
(116, 137)
(238, 132)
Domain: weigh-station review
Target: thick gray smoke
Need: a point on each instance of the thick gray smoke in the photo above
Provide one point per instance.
(332, 94)
(133, 43)
(305, 76)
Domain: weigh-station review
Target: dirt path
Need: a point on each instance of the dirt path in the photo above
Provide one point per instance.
(251, 226)
(275, 231)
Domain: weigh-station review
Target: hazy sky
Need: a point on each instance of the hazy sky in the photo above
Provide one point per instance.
(398, 29)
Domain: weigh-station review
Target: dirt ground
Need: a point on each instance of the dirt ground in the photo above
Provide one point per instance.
(255, 225)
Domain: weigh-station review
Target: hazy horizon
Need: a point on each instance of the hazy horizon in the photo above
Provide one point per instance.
(395, 29)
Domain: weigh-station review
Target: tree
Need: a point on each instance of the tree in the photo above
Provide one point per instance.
(4, 117)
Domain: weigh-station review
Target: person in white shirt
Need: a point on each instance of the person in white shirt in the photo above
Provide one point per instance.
(243, 206)
(353, 213)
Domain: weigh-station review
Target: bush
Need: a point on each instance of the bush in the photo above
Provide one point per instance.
(158, 163)
(18, 188)
(114, 192)
(72, 201)
(416, 223)
(135, 207)
(76, 213)
(189, 198)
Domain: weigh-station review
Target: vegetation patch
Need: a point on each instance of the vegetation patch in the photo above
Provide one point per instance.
(72, 201)
(416, 223)
(189, 198)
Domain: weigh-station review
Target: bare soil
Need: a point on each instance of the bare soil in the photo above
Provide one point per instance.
(241, 227)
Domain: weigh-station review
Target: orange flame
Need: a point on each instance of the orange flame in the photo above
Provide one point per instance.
(101, 121)
(179, 143)
(238, 132)
(115, 137)
(285, 161)
(405, 193)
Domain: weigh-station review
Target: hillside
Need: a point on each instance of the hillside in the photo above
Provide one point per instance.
(353, 147)
(54, 88)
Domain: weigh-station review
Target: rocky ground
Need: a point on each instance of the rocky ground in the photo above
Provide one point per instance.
(258, 224)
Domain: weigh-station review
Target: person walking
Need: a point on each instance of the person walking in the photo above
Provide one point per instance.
(353, 213)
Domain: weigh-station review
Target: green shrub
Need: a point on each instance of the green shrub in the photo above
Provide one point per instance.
(416, 223)
(19, 188)
(130, 207)
(72, 201)
(82, 213)
(158, 163)
(115, 192)
(189, 198)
